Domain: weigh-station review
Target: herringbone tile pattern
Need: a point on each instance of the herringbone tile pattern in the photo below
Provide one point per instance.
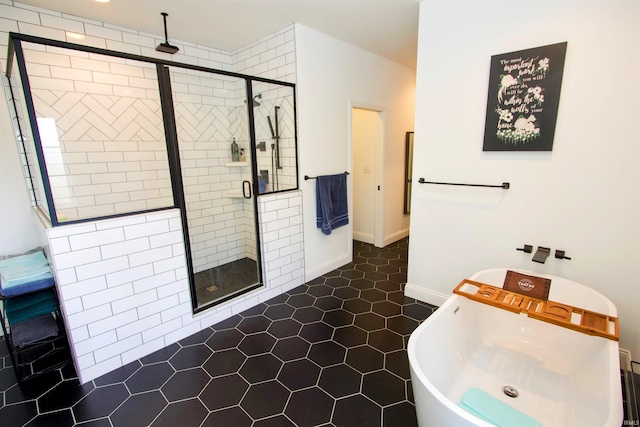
(105, 154)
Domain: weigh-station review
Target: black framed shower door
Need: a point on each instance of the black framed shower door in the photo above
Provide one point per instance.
(226, 187)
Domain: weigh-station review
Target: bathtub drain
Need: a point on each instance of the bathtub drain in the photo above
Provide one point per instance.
(510, 391)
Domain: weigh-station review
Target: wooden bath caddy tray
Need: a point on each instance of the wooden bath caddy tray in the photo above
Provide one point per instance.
(564, 315)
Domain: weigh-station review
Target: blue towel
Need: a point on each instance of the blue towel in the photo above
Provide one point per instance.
(25, 273)
(331, 202)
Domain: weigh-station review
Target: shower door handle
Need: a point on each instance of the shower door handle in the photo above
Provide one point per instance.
(246, 185)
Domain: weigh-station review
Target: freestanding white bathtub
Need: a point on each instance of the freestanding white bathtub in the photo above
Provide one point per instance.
(564, 378)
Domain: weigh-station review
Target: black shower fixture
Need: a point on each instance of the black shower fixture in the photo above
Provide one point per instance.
(166, 47)
(255, 101)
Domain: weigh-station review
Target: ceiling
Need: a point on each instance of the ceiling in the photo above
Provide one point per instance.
(388, 28)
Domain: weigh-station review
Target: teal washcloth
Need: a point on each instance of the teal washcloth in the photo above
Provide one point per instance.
(28, 306)
(23, 269)
(494, 411)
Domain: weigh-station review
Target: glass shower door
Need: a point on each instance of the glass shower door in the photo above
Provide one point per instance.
(211, 117)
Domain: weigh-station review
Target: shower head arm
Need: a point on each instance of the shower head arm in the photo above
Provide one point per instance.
(166, 34)
(166, 47)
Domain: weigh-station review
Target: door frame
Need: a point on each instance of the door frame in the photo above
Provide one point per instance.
(378, 210)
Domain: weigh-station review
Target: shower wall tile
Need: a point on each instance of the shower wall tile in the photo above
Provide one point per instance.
(77, 288)
(40, 31)
(61, 23)
(135, 286)
(128, 306)
(60, 70)
(114, 299)
(20, 14)
(102, 32)
(279, 240)
(139, 40)
(84, 241)
(269, 57)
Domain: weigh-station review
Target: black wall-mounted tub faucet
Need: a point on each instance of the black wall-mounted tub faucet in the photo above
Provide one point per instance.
(526, 249)
(541, 254)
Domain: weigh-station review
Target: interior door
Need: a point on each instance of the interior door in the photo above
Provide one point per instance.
(366, 142)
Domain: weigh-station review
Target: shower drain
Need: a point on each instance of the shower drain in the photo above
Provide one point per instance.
(510, 391)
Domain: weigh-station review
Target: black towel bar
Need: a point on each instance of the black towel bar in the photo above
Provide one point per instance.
(505, 185)
(307, 177)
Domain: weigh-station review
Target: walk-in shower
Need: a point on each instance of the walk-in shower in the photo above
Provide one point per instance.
(217, 185)
(106, 134)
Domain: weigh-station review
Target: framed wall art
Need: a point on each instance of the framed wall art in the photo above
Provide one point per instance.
(524, 93)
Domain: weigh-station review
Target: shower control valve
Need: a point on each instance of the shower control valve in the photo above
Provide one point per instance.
(526, 249)
(560, 255)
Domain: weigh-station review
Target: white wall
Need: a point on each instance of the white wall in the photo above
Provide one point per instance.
(582, 197)
(18, 227)
(333, 77)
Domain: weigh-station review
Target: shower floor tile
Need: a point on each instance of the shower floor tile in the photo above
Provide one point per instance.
(219, 282)
(331, 352)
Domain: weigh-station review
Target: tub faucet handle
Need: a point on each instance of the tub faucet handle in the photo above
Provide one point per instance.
(526, 249)
(541, 254)
(560, 254)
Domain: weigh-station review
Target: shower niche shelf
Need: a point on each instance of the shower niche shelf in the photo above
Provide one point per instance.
(237, 164)
(235, 195)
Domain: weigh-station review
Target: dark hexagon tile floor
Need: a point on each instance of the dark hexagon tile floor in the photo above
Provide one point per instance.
(331, 352)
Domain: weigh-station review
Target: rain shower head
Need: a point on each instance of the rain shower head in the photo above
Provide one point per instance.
(255, 102)
(166, 47)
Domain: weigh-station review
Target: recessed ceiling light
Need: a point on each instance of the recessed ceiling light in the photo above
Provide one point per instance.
(103, 1)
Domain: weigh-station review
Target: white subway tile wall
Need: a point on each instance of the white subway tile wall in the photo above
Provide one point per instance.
(93, 139)
(122, 303)
(274, 58)
(276, 99)
(100, 119)
(209, 112)
(123, 282)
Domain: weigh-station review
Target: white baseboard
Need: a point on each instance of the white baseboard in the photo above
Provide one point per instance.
(328, 266)
(363, 237)
(625, 359)
(425, 295)
(392, 238)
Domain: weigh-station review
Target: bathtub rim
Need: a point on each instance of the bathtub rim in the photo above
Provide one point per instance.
(612, 347)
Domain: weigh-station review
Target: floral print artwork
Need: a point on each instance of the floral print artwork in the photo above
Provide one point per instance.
(523, 129)
(520, 84)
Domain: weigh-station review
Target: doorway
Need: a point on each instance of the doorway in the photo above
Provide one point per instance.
(367, 139)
